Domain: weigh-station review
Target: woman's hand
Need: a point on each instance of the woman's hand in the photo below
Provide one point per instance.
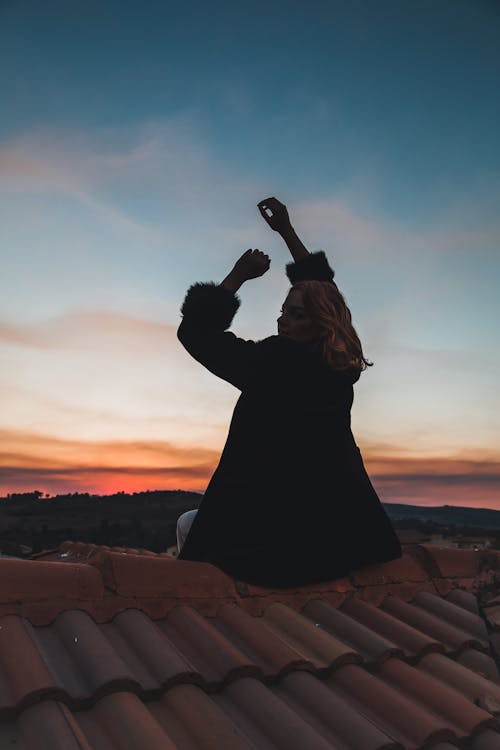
(251, 265)
(278, 218)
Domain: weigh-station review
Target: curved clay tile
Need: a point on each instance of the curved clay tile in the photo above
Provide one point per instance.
(24, 675)
(471, 684)
(400, 717)
(412, 641)
(258, 641)
(322, 706)
(194, 721)
(464, 599)
(451, 636)
(478, 662)
(315, 644)
(461, 618)
(454, 710)
(266, 720)
(153, 660)
(370, 645)
(206, 648)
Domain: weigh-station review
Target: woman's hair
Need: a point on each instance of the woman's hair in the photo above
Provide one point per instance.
(326, 307)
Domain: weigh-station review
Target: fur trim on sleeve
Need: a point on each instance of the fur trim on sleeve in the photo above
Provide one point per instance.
(210, 305)
(314, 267)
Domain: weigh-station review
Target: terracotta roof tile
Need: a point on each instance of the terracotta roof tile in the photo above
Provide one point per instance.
(272, 655)
(406, 568)
(315, 644)
(212, 654)
(478, 662)
(121, 720)
(452, 563)
(492, 615)
(485, 741)
(474, 686)
(194, 721)
(462, 716)
(144, 575)
(370, 645)
(133, 650)
(410, 723)
(153, 659)
(406, 637)
(32, 581)
(268, 721)
(467, 621)
(452, 637)
(24, 674)
(48, 724)
(331, 714)
(464, 599)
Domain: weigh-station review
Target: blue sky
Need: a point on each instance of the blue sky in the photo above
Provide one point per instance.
(136, 139)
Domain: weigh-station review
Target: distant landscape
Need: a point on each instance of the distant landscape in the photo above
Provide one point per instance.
(141, 520)
(446, 515)
(33, 522)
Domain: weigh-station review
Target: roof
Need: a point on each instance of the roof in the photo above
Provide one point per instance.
(110, 649)
(413, 536)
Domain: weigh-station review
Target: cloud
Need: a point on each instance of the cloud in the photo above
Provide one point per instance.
(32, 166)
(347, 228)
(429, 480)
(114, 170)
(92, 330)
(170, 161)
(53, 462)
(65, 452)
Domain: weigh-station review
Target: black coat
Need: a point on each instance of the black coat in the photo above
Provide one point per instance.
(290, 502)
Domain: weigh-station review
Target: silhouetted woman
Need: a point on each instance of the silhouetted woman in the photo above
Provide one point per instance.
(290, 502)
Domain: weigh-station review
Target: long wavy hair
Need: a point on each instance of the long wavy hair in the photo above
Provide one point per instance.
(327, 309)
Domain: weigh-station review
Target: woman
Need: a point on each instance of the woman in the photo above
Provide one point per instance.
(290, 502)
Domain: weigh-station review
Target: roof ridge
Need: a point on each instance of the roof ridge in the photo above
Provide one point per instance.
(104, 581)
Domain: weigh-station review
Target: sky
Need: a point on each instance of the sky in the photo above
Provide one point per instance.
(136, 139)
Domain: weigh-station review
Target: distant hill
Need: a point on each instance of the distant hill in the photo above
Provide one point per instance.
(446, 515)
(31, 521)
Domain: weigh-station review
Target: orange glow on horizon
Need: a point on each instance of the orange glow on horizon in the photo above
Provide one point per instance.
(58, 466)
(107, 482)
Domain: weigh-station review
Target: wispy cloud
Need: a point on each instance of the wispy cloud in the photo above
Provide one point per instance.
(51, 461)
(30, 165)
(348, 228)
(92, 452)
(92, 330)
(55, 464)
(115, 170)
(429, 480)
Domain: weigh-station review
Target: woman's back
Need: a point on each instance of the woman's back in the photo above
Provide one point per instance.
(290, 501)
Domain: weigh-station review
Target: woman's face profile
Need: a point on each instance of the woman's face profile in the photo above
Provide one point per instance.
(293, 321)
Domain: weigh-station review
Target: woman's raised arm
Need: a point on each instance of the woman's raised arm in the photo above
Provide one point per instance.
(306, 266)
(208, 310)
(279, 220)
(251, 265)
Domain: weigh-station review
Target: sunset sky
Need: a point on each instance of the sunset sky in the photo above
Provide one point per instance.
(136, 139)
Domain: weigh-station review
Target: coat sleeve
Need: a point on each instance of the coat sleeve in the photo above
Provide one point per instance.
(208, 310)
(314, 267)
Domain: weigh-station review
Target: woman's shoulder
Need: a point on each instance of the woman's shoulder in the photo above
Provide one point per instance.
(284, 345)
(304, 355)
